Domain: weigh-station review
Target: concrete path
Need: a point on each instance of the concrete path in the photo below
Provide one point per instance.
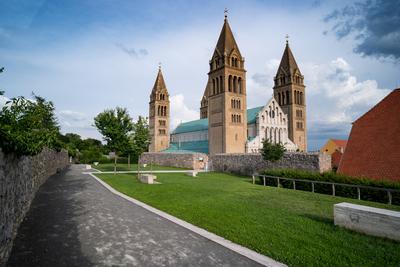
(75, 221)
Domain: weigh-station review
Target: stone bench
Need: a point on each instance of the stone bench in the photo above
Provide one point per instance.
(147, 178)
(368, 220)
(191, 173)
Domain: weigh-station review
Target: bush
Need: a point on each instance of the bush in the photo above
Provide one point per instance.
(272, 152)
(366, 194)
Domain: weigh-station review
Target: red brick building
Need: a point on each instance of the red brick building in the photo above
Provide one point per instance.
(373, 149)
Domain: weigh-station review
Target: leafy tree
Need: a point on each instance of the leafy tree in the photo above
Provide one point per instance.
(272, 152)
(115, 126)
(26, 126)
(140, 138)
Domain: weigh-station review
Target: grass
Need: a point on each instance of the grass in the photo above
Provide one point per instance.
(124, 167)
(294, 227)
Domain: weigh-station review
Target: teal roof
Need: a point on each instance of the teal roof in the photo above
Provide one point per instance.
(188, 147)
(252, 114)
(192, 126)
(202, 124)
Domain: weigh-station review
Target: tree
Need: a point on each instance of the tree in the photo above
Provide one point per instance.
(141, 137)
(26, 126)
(272, 152)
(115, 125)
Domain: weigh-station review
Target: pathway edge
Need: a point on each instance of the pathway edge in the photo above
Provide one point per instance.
(257, 257)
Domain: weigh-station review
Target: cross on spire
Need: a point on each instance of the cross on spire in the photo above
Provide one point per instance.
(287, 39)
(159, 65)
(226, 12)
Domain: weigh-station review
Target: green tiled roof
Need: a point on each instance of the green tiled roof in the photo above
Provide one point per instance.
(188, 147)
(252, 114)
(192, 126)
(202, 124)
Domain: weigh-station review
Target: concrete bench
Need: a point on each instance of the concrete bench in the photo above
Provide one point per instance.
(147, 178)
(191, 173)
(368, 220)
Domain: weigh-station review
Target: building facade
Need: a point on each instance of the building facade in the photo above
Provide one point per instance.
(225, 124)
(289, 91)
(226, 107)
(159, 115)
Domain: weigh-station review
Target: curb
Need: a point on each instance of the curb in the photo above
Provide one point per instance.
(248, 253)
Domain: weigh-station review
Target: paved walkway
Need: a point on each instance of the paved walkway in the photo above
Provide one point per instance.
(75, 221)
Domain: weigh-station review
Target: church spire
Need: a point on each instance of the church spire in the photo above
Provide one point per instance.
(226, 42)
(288, 62)
(159, 84)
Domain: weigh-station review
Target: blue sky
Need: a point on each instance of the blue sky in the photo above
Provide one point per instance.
(86, 56)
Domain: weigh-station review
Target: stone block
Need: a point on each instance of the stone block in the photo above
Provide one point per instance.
(147, 178)
(191, 173)
(368, 220)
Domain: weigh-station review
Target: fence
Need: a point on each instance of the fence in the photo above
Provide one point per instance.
(388, 191)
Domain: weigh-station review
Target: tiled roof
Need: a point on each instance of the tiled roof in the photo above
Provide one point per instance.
(202, 124)
(192, 126)
(191, 146)
(340, 143)
(373, 149)
(252, 114)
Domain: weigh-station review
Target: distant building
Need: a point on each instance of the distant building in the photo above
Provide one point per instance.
(159, 115)
(226, 125)
(333, 145)
(373, 148)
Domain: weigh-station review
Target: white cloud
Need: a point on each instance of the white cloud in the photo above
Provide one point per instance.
(335, 97)
(71, 120)
(180, 112)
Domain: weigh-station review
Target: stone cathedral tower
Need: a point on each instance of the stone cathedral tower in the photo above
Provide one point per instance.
(159, 115)
(226, 101)
(289, 91)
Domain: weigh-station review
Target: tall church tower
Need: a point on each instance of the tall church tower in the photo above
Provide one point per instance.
(227, 121)
(159, 115)
(289, 91)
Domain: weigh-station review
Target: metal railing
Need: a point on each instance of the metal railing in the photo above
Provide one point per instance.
(333, 184)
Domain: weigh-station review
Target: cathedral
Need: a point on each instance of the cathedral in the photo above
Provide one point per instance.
(226, 125)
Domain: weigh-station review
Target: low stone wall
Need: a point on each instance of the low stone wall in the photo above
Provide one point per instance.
(20, 178)
(195, 161)
(368, 220)
(248, 164)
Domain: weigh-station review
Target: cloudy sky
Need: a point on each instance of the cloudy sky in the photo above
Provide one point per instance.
(88, 55)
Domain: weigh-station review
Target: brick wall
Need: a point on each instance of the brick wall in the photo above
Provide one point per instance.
(20, 178)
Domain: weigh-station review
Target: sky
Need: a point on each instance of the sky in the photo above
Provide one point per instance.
(86, 55)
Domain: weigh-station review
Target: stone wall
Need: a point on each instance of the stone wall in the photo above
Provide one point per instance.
(195, 161)
(20, 178)
(248, 164)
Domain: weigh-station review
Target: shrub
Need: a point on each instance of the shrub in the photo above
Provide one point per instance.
(367, 194)
(272, 152)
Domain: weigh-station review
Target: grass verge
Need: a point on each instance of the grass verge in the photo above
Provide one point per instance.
(124, 167)
(294, 227)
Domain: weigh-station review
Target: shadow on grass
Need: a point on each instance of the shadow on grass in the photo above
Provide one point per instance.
(318, 218)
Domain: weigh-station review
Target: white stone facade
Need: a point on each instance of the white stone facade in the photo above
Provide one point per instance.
(272, 124)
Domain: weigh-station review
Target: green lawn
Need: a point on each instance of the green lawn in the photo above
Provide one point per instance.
(124, 167)
(294, 227)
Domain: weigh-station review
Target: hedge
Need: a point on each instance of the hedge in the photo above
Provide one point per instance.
(366, 194)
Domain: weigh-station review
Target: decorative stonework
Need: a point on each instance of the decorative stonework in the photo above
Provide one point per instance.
(248, 164)
(20, 178)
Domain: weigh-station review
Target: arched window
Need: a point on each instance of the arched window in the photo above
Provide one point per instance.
(280, 136)
(275, 134)
(217, 85)
(266, 134)
(221, 84)
(213, 87)
(158, 110)
(301, 98)
(240, 85)
(235, 84)
(287, 98)
(236, 62)
(230, 83)
(279, 99)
